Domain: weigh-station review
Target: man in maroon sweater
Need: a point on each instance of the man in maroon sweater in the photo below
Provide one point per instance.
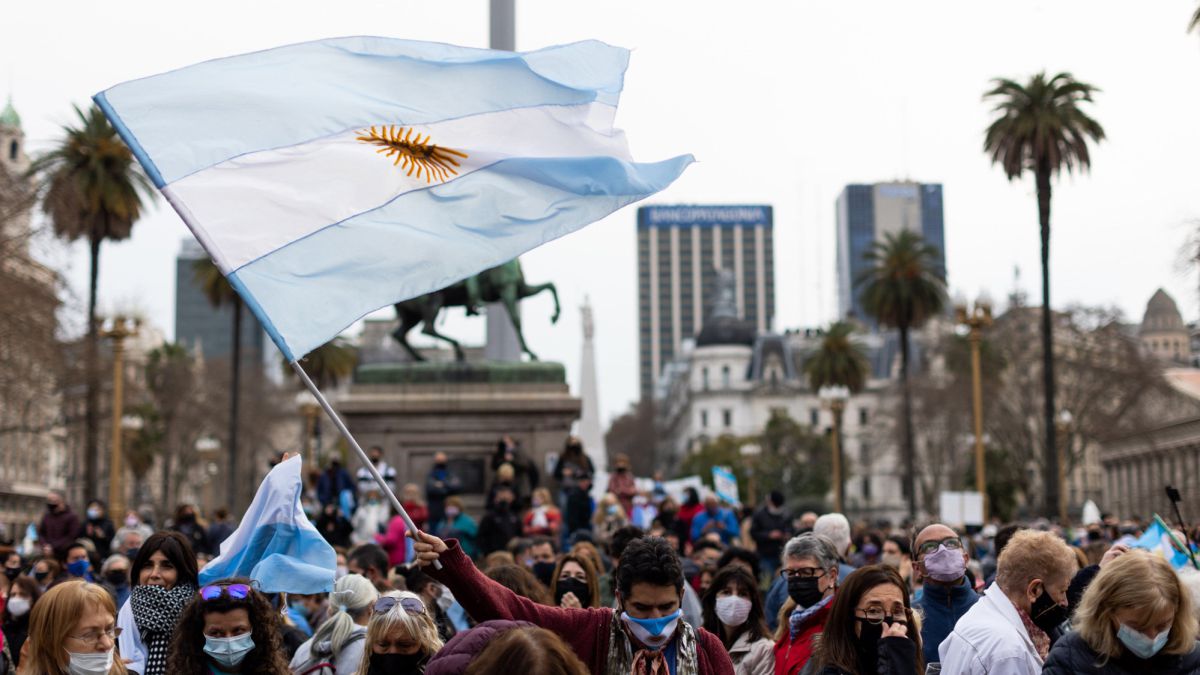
(644, 635)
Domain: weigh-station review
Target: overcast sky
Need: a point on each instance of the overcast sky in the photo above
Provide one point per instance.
(782, 103)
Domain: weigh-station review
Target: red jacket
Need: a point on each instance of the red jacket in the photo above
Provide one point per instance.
(792, 655)
(553, 522)
(586, 630)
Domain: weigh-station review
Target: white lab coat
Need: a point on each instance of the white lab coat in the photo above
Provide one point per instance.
(990, 639)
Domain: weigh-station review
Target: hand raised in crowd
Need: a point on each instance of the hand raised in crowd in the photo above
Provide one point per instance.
(427, 548)
(570, 601)
(1113, 553)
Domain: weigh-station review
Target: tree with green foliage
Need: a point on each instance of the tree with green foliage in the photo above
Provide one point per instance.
(903, 287)
(1040, 127)
(92, 190)
(328, 364)
(838, 362)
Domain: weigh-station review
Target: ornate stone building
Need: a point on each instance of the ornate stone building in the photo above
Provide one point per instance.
(31, 430)
(1163, 332)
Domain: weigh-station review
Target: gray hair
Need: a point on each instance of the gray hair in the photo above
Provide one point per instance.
(837, 529)
(815, 546)
(114, 558)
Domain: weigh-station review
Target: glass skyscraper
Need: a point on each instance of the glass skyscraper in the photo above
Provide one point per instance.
(680, 249)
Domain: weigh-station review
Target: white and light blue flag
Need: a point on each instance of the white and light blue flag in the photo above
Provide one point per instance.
(328, 179)
(1159, 538)
(275, 544)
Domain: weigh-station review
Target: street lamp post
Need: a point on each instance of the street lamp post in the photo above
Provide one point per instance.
(976, 319)
(834, 398)
(121, 329)
(1063, 422)
(310, 410)
(750, 453)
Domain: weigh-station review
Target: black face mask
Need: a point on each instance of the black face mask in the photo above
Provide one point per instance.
(12, 572)
(867, 647)
(1047, 614)
(544, 571)
(394, 664)
(577, 586)
(117, 578)
(41, 576)
(806, 592)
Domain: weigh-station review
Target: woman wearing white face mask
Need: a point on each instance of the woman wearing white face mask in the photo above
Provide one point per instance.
(733, 609)
(23, 594)
(228, 628)
(73, 631)
(1135, 617)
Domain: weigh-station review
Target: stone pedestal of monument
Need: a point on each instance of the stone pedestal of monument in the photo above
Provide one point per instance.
(413, 410)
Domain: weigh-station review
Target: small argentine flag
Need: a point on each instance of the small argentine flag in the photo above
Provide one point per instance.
(275, 544)
(1159, 538)
(328, 179)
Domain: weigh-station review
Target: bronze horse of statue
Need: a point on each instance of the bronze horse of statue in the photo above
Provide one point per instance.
(505, 284)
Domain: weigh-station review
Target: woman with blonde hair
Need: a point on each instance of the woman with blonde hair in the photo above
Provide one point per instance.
(401, 634)
(73, 629)
(340, 638)
(610, 516)
(543, 518)
(1135, 617)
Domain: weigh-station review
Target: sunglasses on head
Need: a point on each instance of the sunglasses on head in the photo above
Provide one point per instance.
(410, 605)
(233, 591)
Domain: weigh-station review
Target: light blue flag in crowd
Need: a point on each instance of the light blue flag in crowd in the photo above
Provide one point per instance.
(275, 544)
(329, 179)
(725, 485)
(1160, 539)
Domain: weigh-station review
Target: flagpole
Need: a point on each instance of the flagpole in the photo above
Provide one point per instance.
(362, 456)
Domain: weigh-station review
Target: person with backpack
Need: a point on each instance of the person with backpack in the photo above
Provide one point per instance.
(337, 646)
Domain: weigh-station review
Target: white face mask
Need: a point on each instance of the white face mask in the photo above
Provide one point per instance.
(732, 610)
(18, 607)
(90, 663)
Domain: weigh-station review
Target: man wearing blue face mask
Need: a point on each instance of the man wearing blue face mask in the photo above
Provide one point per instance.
(79, 564)
(645, 634)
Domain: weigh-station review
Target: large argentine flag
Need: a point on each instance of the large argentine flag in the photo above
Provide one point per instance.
(275, 544)
(331, 178)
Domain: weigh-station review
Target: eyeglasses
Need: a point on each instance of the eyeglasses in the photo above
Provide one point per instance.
(410, 605)
(876, 615)
(933, 545)
(802, 573)
(233, 591)
(93, 637)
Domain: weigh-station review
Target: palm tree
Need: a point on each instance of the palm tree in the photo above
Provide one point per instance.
(93, 190)
(220, 293)
(838, 362)
(903, 287)
(1040, 127)
(326, 365)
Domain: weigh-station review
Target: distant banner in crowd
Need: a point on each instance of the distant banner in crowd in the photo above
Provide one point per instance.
(725, 485)
(1160, 539)
(275, 544)
(328, 179)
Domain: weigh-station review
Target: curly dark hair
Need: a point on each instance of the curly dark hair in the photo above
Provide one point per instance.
(649, 560)
(176, 548)
(187, 656)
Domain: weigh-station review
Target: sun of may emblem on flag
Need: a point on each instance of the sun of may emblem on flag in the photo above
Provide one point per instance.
(413, 152)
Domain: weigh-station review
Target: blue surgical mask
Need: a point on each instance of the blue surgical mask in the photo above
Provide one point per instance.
(230, 651)
(654, 633)
(78, 568)
(1142, 646)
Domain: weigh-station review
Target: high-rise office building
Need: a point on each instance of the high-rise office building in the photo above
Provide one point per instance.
(865, 213)
(680, 250)
(198, 323)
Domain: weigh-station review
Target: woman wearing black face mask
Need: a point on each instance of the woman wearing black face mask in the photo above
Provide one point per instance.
(401, 635)
(575, 583)
(810, 565)
(12, 566)
(871, 628)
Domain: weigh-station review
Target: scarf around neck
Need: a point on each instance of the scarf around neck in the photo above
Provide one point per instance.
(156, 611)
(801, 615)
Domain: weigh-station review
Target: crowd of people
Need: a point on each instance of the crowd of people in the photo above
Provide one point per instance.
(552, 582)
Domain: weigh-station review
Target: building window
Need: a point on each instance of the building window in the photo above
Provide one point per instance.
(862, 416)
(866, 488)
(727, 417)
(704, 378)
(703, 419)
(12, 151)
(814, 416)
(724, 377)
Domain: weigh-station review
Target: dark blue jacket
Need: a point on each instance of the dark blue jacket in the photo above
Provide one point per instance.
(942, 607)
